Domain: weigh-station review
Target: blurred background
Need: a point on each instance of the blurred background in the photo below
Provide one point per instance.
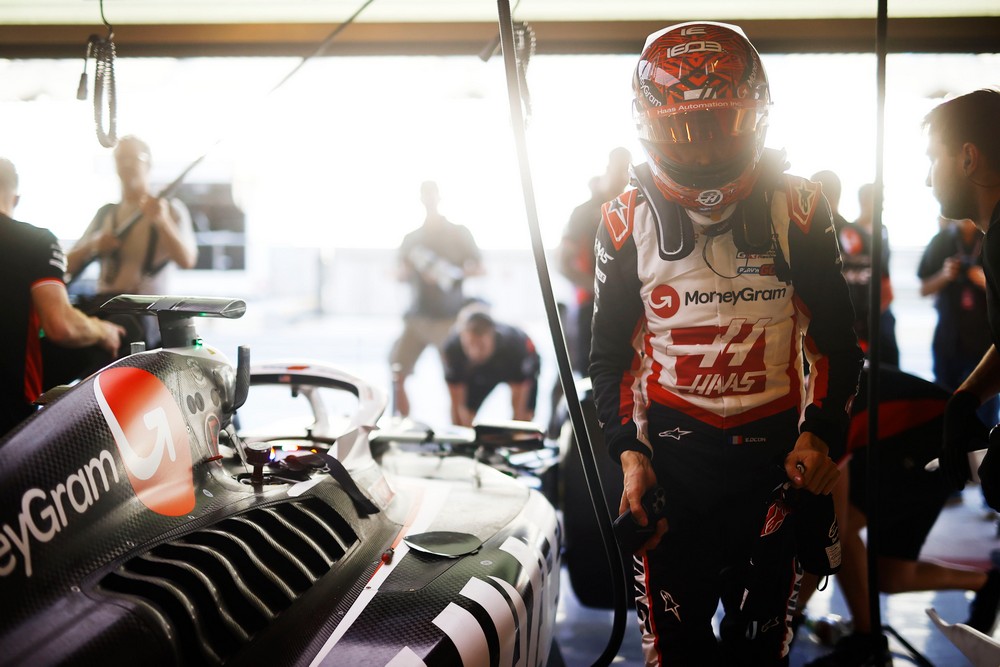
(312, 166)
(310, 181)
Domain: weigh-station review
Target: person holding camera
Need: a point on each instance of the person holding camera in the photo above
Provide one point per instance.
(435, 259)
(951, 269)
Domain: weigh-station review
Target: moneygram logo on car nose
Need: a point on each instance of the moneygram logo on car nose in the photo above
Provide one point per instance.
(152, 439)
(665, 301)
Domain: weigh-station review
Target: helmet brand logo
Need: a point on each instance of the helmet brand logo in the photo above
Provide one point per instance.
(694, 47)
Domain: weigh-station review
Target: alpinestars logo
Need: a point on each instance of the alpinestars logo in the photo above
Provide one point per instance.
(670, 605)
(617, 217)
(152, 438)
(721, 361)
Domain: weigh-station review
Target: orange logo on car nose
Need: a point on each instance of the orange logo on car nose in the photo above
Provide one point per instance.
(152, 438)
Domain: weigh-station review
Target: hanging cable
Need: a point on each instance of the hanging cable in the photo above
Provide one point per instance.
(104, 83)
(171, 188)
(614, 557)
(81, 89)
(873, 469)
(874, 308)
(103, 52)
(524, 49)
(324, 45)
(493, 47)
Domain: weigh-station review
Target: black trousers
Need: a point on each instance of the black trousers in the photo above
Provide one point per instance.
(719, 484)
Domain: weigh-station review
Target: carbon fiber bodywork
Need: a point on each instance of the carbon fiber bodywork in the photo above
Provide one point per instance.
(127, 536)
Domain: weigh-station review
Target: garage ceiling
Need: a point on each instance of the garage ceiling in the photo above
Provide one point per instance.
(59, 28)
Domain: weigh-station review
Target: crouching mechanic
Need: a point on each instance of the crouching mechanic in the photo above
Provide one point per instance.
(482, 353)
(910, 498)
(712, 274)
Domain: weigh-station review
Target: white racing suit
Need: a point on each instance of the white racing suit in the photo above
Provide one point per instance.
(697, 362)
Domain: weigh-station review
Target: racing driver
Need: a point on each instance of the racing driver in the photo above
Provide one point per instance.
(715, 272)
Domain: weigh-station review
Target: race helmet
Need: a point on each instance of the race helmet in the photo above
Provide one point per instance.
(701, 102)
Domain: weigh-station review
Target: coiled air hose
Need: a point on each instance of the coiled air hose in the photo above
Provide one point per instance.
(103, 52)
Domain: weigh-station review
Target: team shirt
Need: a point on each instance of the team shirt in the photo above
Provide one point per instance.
(32, 257)
(514, 360)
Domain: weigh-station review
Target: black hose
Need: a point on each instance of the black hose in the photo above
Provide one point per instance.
(874, 310)
(583, 440)
(873, 469)
(103, 52)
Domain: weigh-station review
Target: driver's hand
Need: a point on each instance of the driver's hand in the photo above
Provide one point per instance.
(809, 466)
(638, 477)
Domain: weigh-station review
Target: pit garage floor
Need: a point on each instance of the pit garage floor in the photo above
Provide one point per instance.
(964, 534)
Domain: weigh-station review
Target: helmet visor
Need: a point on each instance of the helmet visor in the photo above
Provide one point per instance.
(698, 122)
(702, 148)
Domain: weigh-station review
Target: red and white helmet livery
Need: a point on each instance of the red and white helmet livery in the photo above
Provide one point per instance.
(701, 101)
